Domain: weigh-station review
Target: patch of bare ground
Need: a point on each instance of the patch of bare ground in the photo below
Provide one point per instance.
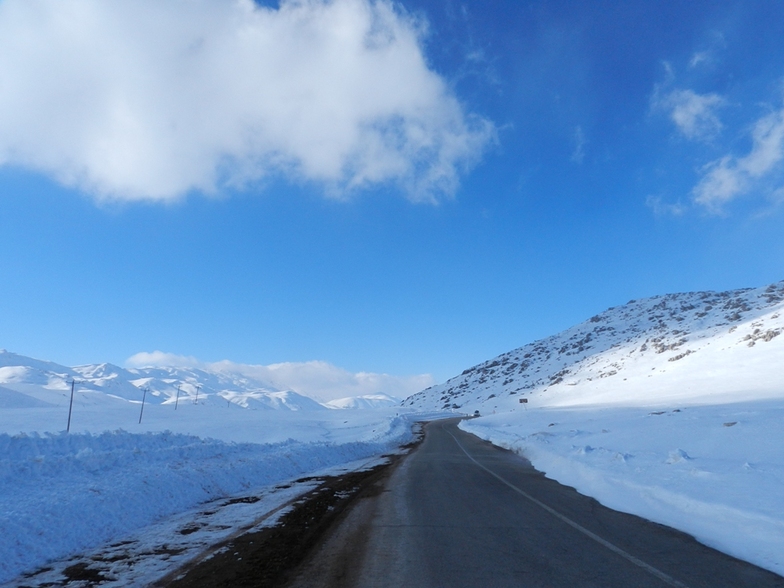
(266, 558)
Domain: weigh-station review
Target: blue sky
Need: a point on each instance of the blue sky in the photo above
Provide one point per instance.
(465, 178)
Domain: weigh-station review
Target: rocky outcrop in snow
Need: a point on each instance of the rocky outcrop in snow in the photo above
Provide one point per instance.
(692, 347)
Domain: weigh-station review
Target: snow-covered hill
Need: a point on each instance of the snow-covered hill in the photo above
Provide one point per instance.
(368, 401)
(692, 348)
(668, 407)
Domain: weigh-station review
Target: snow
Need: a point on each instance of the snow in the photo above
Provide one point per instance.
(151, 553)
(12, 399)
(715, 472)
(216, 384)
(364, 402)
(112, 478)
(694, 348)
(669, 408)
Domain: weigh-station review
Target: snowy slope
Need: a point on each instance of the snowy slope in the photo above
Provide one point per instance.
(668, 407)
(286, 400)
(13, 399)
(368, 401)
(690, 348)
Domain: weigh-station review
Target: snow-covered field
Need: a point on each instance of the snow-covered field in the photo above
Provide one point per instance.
(669, 407)
(112, 477)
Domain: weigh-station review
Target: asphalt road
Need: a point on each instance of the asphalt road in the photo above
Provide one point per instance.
(459, 512)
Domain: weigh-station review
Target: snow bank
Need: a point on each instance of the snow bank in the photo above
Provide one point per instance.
(715, 472)
(64, 493)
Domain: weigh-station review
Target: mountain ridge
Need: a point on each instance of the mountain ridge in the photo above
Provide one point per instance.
(638, 343)
(27, 382)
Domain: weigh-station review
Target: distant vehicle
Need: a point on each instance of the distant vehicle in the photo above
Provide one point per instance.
(476, 413)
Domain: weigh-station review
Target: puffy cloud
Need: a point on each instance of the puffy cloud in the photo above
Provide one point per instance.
(578, 155)
(318, 379)
(152, 99)
(699, 58)
(694, 114)
(325, 381)
(660, 207)
(730, 177)
(161, 358)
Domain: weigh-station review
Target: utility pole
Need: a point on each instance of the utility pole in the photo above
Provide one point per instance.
(142, 410)
(197, 394)
(70, 406)
(176, 402)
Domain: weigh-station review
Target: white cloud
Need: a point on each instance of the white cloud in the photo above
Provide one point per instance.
(714, 45)
(578, 155)
(730, 177)
(698, 58)
(662, 208)
(318, 379)
(694, 114)
(151, 99)
(325, 381)
(161, 358)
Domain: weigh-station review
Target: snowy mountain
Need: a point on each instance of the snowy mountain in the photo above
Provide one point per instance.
(13, 399)
(27, 382)
(667, 407)
(282, 400)
(368, 401)
(691, 348)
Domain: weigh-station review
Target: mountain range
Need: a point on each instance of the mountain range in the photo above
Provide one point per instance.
(28, 383)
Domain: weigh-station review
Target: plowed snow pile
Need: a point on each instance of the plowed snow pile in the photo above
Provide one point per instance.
(61, 494)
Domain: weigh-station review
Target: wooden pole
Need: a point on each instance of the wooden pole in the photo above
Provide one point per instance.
(142, 410)
(70, 407)
(176, 402)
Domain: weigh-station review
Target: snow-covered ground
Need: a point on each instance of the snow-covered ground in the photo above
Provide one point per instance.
(364, 402)
(113, 478)
(715, 472)
(669, 407)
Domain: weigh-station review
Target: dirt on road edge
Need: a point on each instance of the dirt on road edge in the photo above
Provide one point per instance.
(268, 557)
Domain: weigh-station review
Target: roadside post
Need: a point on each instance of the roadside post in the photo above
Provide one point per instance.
(70, 406)
(144, 397)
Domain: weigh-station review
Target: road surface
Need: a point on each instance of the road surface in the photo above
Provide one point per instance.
(459, 512)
